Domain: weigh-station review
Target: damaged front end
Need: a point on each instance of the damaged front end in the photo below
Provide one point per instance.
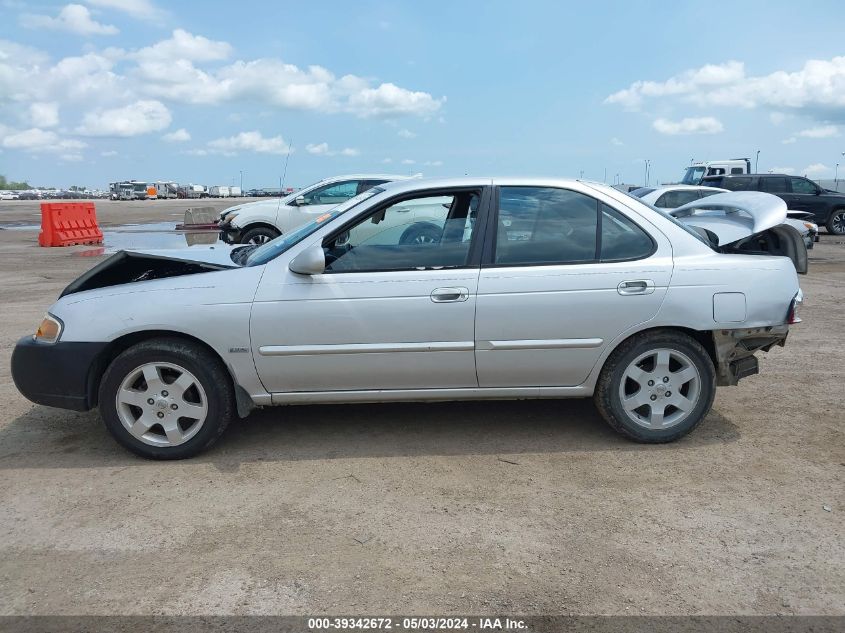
(130, 267)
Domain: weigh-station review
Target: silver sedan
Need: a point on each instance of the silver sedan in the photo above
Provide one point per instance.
(529, 288)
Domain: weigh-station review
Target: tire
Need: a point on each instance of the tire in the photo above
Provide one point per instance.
(836, 222)
(188, 377)
(423, 233)
(259, 235)
(627, 372)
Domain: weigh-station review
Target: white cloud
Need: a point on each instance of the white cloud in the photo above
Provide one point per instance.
(390, 100)
(73, 18)
(782, 170)
(789, 141)
(616, 141)
(251, 142)
(323, 149)
(408, 161)
(142, 9)
(108, 153)
(817, 89)
(71, 157)
(822, 131)
(185, 46)
(691, 125)
(816, 170)
(179, 136)
(406, 133)
(777, 118)
(36, 140)
(386, 161)
(135, 119)
(433, 163)
(44, 114)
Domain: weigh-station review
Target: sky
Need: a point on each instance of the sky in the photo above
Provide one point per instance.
(215, 92)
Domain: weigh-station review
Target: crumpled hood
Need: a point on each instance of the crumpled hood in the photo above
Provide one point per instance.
(217, 254)
(735, 215)
(128, 267)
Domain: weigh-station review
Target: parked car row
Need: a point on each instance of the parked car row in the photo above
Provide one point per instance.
(52, 194)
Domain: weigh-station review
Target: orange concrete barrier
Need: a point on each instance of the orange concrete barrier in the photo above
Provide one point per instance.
(69, 223)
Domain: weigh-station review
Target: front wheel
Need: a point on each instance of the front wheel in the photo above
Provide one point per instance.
(836, 222)
(656, 387)
(422, 233)
(259, 235)
(166, 399)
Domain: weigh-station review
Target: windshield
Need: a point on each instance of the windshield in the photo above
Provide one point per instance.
(276, 247)
(693, 175)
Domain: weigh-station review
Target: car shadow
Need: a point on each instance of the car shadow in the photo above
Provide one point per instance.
(51, 438)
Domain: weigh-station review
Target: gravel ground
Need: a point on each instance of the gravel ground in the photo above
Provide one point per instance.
(532, 507)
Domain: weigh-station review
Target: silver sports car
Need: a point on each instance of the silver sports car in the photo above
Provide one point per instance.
(523, 288)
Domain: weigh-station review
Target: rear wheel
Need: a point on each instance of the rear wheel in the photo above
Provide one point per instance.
(836, 222)
(166, 399)
(259, 235)
(656, 387)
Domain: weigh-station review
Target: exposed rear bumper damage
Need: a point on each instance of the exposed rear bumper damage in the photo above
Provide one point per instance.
(735, 350)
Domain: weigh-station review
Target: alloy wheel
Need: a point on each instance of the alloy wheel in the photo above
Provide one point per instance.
(161, 404)
(660, 388)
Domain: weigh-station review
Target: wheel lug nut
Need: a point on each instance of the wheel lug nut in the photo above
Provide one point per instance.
(160, 414)
(668, 393)
(650, 384)
(174, 407)
(150, 401)
(653, 397)
(164, 393)
(665, 378)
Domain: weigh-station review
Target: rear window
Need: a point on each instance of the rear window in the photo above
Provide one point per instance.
(773, 185)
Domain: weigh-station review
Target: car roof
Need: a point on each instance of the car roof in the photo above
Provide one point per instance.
(679, 187)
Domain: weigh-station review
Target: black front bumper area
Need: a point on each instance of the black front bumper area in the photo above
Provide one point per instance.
(57, 374)
(229, 234)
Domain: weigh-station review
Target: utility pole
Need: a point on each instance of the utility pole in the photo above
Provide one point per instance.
(647, 165)
(757, 162)
(242, 181)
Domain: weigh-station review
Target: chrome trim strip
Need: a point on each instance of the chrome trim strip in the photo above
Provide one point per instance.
(423, 395)
(365, 348)
(555, 343)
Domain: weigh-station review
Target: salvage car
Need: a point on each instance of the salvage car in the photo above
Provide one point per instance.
(533, 288)
(262, 221)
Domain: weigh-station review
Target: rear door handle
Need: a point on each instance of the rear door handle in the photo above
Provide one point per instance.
(449, 295)
(636, 287)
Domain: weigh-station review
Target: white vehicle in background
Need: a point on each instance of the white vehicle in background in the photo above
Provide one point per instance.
(262, 221)
(166, 189)
(9, 195)
(672, 197)
(235, 192)
(219, 191)
(700, 169)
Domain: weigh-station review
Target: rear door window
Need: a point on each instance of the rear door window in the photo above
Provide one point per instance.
(802, 185)
(545, 225)
(773, 185)
(736, 184)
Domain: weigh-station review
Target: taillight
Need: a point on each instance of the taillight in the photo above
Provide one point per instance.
(797, 301)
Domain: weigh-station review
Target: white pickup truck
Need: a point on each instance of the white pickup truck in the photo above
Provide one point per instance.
(698, 170)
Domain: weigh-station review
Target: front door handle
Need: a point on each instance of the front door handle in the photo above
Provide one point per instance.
(636, 287)
(449, 295)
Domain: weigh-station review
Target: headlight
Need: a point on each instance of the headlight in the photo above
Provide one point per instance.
(49, 331)
(811, 226)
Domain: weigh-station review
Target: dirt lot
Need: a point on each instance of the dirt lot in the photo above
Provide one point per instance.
(522, 507)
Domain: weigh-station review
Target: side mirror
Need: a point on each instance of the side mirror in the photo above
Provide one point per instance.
(300, 201)
(311, 261)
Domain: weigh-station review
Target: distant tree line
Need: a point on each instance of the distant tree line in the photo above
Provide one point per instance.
(12, 186)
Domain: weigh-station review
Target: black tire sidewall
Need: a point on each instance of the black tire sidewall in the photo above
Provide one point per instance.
(259, 230)
(214, 379)
(412, 232)
(677, 342)
(829, 226)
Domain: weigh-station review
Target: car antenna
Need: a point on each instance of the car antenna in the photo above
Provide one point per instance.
(284, 176)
